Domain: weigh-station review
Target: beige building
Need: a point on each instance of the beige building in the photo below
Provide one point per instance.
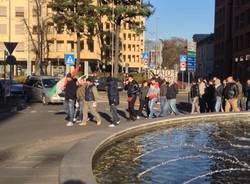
(15, 14)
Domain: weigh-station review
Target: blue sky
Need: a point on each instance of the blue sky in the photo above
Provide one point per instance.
(181, 18)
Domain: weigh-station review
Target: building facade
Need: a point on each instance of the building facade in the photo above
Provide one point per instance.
(18, 23)
(232, 38)
(205, 56)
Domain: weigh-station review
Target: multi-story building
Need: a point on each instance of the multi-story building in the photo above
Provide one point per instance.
(205, 56)
(232, 38)
(18, 23)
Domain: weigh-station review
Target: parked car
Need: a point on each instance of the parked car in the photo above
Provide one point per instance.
(102, 84)
(37, 88)
(16, 89)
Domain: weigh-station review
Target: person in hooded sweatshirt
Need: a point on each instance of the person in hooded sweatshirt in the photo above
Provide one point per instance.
(113, 97)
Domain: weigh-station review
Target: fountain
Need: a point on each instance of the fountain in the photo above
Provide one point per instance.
(197, 151)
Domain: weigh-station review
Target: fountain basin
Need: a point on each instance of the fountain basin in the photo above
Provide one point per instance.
(77, 164)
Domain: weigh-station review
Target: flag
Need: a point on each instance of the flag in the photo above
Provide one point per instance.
(60, 85)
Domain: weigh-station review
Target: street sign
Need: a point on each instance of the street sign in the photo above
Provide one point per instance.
(69, 59)
(183, 58)
(10, 46)
(11, 60)
(145, 55)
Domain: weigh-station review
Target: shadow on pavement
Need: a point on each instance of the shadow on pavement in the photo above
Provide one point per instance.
(184, 107)
(10, 107)
(105, 116)
(122, 114)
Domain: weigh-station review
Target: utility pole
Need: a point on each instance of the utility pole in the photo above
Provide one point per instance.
(112, 46)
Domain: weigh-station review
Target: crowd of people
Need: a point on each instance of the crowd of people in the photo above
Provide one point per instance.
(81, 97)
(216, 96)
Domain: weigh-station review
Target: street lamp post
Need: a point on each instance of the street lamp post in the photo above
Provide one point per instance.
(112, 46)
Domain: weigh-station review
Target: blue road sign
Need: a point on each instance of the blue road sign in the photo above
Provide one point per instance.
(191, 63)
(145, 55)
(183, 58)
(69, 59)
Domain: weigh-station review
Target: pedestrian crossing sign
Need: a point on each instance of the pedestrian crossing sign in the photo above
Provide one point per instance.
(69, 59)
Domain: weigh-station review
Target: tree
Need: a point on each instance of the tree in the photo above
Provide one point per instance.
(124, 11)
(76, 16)
(171, 50)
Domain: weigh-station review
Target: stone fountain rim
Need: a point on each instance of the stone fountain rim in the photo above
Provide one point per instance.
(77, 163)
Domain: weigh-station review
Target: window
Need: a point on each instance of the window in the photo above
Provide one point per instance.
(124, 58)
(3, 11)
(82, 45)
(19, 29)
(51, 46)
(129, 47)
(129, 36)
(129, 58)
(3, 29)
(60, 46)
(133, 58)
(138, 58)
(124, 36)
(34, 11)
(133, 47)
(134, 37)
(34, 30)
(107, 26)
(19, 11)
(90, 43)
(50, 28)
(20, 47)
(124, 47)
(70, 46)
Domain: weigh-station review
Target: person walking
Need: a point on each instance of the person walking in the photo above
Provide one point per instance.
(90, 103)
(80, 95)
(113, 97)
(247, 94)
(163, 98)
(231, 93)
(210, 96)
(143, 99)
(153, 95)
(202, 99)
(195, 94)
(172, 92)
(240, 97)
(218, 96)
(70, 97)
(132, 88)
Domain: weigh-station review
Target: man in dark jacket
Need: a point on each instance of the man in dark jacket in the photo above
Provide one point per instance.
(195, 95)
(172, 92)
(113, 97)
(231, 93)
(132, 88)
(70, 97)
(143, 98)
(247, 95)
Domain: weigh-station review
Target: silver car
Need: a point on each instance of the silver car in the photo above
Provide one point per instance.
(37, 88)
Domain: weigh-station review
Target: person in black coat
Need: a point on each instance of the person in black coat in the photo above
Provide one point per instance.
(247, 95)
(195, 95)
(132, 88)
(113, 97)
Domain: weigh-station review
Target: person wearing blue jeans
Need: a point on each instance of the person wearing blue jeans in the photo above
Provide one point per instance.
(153, 94)
(218, 95)
(163, 98)
(172, 92)
(70, 97)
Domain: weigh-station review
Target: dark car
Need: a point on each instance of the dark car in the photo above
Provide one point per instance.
(102, 84)
(15, 89)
